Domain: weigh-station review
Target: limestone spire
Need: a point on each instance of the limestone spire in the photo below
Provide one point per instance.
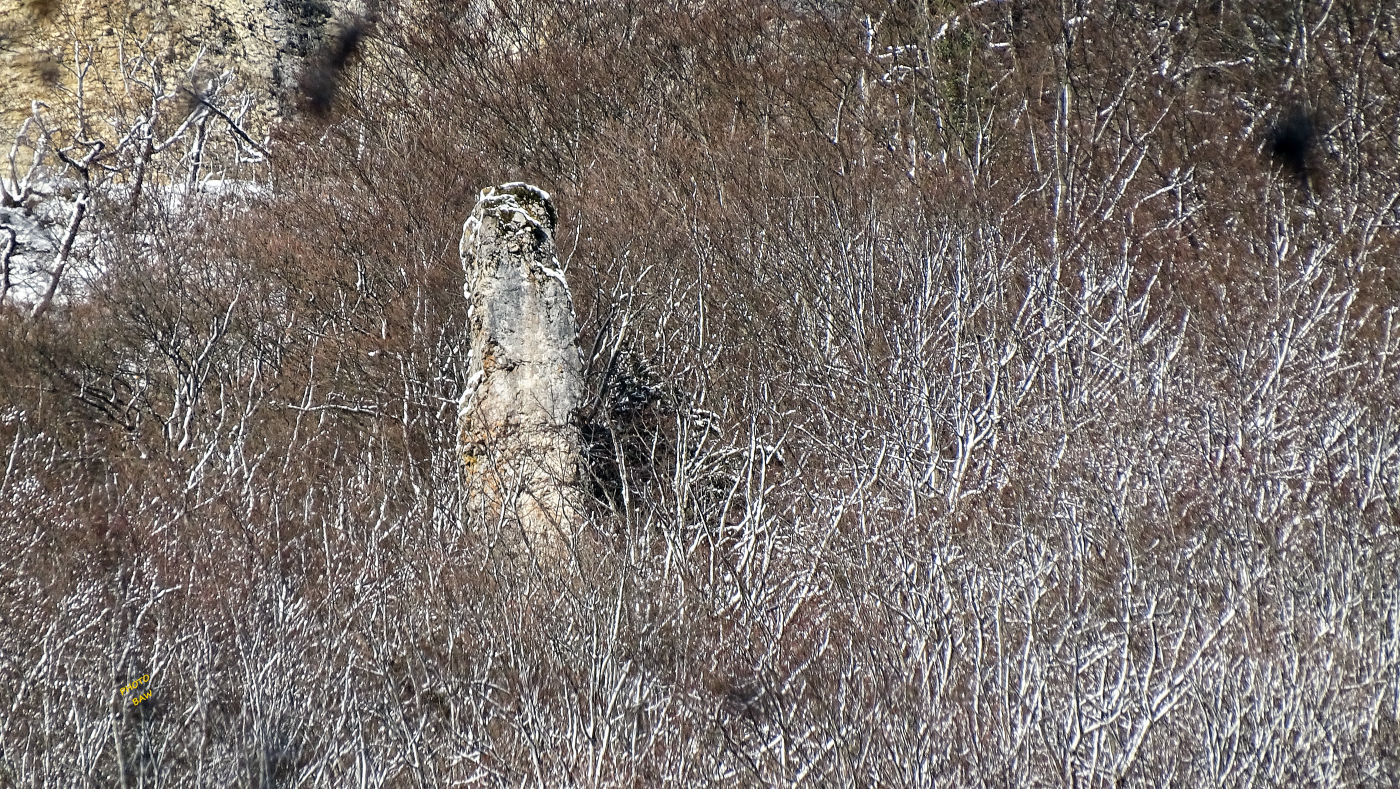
(518, 442)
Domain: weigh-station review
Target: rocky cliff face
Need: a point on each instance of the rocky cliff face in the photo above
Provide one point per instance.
(261, 42)
(520, 449)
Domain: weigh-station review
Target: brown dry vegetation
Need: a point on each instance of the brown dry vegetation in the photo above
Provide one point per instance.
(1087, 408)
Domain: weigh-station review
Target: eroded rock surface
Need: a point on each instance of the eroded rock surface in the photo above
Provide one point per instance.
(519, 447)
(261, 43)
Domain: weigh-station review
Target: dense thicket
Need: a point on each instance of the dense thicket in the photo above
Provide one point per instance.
(1073, 327)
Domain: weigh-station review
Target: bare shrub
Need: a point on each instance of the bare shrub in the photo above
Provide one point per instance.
(976, 400)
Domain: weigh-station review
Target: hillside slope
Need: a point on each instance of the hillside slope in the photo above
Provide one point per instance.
(970, 394)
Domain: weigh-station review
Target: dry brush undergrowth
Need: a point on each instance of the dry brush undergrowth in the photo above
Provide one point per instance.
(982, 398)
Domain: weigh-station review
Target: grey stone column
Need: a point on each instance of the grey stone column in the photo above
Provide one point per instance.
(519, 447)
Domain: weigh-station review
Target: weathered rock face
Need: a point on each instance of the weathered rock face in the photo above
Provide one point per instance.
(261, 42)
(519, 446)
